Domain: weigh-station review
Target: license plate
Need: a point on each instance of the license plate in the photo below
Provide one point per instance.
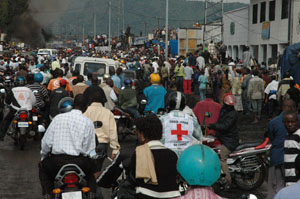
(72, 195)
(23, 124)
(34, 118)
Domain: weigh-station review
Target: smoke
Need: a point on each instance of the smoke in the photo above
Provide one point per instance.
(31, 26)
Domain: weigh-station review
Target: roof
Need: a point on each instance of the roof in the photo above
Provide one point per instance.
(231, 11)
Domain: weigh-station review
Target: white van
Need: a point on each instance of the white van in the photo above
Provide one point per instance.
(50, 52)
(99, 66)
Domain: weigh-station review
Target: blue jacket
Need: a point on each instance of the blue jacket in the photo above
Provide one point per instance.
(277, 134)
(155, 95)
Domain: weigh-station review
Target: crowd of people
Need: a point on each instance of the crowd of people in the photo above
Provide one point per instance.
(222, 90)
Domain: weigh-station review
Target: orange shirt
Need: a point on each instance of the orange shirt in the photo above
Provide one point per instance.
(54, 83)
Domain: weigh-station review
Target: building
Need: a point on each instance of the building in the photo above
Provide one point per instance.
(235, 31)
(272, 25)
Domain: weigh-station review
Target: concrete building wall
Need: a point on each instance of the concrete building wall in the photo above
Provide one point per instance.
(235, 32)
(269, 47)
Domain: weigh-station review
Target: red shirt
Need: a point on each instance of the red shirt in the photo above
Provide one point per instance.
(207, 105)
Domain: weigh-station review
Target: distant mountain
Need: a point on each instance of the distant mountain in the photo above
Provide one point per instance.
(140, 15)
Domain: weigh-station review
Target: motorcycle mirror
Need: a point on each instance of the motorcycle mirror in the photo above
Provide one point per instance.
(143, 101)
(207, 114)
(41, 129)
(98, 124)
(2, 90)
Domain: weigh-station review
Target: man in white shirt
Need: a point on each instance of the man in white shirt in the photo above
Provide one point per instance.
(155, 66)
(69, 139)
(187, 83)
(271, 98)
(200, 61)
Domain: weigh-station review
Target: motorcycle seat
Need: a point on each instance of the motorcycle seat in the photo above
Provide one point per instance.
(246, 145)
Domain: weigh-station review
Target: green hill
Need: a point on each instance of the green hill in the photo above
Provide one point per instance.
(139, 15)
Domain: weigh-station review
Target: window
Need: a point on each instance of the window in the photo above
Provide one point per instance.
(262, 12)
(77, 67)
(272, 11)
(97, 68)
(284, 9)
(254, 14)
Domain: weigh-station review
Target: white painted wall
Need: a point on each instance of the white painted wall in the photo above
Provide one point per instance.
(240, 18)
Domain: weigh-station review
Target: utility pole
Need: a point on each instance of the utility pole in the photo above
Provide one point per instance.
(119, 14)
(82, 34)
(123, 16)
(167, 30)
(94, 25)
(145, 28)
(222, 22)
(205, 21)
(109, 25)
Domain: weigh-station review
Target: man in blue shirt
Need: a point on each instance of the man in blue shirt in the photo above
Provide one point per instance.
(115, 78)
(292, 191)
(277, 134)
(155, 94)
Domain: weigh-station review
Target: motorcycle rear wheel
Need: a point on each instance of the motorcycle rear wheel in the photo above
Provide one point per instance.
(256, 179)
(22, 140)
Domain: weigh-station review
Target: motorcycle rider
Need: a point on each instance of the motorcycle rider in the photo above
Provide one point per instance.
(180, 130)
(18, 98)
(55, 96)
(107, 134)
(155, 94)
(40, 93)
(227, 132)
(199, 166)
(128, 100)
(69, 139)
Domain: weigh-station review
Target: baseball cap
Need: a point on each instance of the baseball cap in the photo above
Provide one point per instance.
(63, 82)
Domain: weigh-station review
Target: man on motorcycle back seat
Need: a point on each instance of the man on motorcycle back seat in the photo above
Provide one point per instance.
(69, 139)
(18, 98)
(180, 130)
(227, 132)
(195, 160)
(128, 100)
(155, 94)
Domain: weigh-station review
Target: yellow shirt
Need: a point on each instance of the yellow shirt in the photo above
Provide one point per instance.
(179, 71)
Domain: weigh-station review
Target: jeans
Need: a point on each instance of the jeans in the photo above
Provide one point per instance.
(101, 150)
(187, 84)
(256, 105)
(179, 83)
(272, 104)
(202, 94)
(165, 82)
(134, 112)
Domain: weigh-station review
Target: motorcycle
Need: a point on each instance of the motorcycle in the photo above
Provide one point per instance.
(21, 128)
(70, 183)
(247, 165)
(125, 123)
(70, 180)
(36, 122)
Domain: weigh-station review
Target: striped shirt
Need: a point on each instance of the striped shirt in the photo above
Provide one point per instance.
(39, 92)
(291, 150)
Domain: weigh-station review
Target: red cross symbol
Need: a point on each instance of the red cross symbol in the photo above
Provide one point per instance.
(179, 132)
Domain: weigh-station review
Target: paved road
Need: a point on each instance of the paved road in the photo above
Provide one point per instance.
(19, 171)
